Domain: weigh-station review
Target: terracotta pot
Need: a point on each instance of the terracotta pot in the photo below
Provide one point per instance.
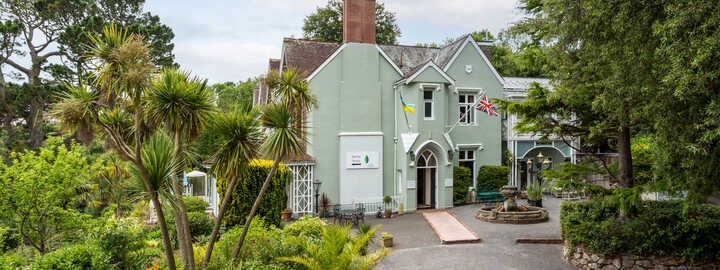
(287, 215)
(387, 242)
(388, 213)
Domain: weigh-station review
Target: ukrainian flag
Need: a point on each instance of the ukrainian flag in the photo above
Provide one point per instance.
(407, 107)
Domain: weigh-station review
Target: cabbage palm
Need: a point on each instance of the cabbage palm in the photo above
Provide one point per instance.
(112, 174)
(76, 111)
(182, 105)
(291, 90)
(238, 136)
(281, 142)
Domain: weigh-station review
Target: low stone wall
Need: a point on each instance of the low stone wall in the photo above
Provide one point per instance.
(583, 259)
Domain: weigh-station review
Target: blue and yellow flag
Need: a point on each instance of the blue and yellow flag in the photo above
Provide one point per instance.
(407, 107)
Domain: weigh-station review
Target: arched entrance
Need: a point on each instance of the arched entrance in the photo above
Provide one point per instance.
(426, 180)
(537, 160)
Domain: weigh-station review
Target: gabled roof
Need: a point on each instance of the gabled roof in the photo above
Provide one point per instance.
(413, 73)
(309, 56)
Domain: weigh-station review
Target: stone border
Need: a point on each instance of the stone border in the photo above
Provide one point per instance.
(583, 259)
(532, 215)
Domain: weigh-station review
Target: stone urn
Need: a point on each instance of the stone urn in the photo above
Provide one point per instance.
(509, 192)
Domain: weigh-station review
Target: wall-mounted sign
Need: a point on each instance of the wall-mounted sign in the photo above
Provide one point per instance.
(362, 160)
(449, 182)
(412, 184)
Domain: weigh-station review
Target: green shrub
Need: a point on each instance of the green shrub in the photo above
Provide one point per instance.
(246, 191)
(662, 228)
(200, 224)
(8, 239)
(12, 261)
(81, 256)
(122, 240)
(195, 204)
(306, 226)
(492, 177)
(462, 179)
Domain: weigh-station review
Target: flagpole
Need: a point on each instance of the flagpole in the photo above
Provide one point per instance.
(472, 107)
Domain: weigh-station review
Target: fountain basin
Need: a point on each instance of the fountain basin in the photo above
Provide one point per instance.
(525, 215)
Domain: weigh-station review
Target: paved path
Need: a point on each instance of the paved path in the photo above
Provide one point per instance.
(417, 246)
(448, 228)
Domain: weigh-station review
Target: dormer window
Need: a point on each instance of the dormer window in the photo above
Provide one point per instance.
(428, 98)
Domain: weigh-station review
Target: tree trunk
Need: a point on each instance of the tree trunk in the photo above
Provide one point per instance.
(35, 122)
(218, 221)
(625, 170)
(238, 246)
(163, 228)
(119, 195)
(8, 117)
(181, 220)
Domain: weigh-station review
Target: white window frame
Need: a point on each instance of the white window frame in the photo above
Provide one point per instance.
(469, 108)
(432, 104)
(463, 152)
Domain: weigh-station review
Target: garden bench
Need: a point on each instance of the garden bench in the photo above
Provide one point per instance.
(486, 195)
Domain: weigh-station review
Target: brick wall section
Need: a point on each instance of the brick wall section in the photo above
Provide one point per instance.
(359, 21)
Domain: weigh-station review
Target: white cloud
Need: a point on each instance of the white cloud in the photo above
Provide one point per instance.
(225, 61)
(468, 14)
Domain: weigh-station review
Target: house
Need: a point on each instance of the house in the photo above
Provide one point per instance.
(362, 144)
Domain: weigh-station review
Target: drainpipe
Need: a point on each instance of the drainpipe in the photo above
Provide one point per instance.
(395, 139)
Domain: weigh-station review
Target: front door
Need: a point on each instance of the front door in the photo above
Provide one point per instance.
(426, 184)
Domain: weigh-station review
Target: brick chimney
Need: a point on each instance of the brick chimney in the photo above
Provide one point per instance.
(359, 21)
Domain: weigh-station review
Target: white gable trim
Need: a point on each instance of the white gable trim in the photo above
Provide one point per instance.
(327, 61)
(470, 40)
(389, 60)
(432, 65)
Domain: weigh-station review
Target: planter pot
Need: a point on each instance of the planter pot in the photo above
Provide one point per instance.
(387, 242)
(287, 215)
(388, 213)
(537, 203)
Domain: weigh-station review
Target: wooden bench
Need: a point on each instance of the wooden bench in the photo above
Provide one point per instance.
(486, 195)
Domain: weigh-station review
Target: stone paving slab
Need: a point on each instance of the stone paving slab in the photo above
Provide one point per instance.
(449, 228)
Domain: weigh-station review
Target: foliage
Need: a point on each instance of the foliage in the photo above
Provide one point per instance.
(248, 187)
(12, 261)
(642, 155)
(492, 177)
(534, 191)
(231, 94)
(36, 190)
(337, 250)
(306, 226)
(514, 54)
(80, 256)
(662, 228)
(572, 171)
(8, 239)
(122, 240)
(195, 204)
(326, 24)
(462, 180)
(687, 138)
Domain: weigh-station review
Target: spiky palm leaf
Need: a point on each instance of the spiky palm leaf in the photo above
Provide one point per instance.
(157, 156)
(281, 140)
(76, 110)
(291, 90)
(337, 249)
(238, 139)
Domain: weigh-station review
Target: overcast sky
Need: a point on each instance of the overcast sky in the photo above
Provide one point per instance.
(225, 40)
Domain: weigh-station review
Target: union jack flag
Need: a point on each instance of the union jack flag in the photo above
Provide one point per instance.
(484, 105)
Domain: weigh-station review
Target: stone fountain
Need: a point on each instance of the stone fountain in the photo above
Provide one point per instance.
(511, 212)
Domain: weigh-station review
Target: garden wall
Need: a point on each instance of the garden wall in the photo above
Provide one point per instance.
(584, 259)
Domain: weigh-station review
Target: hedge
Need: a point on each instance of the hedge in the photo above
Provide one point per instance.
(246, 191)
(492, 177)
(462, 179)
(660, 228)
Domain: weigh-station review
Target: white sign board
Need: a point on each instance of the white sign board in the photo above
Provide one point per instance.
(449, 182)
(412, 184)
(362, 160)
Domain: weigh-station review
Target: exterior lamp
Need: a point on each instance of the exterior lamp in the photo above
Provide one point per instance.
(412, 155)
(316, 188)
(450, 155)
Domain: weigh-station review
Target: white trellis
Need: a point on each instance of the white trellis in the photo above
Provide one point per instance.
(302, 187)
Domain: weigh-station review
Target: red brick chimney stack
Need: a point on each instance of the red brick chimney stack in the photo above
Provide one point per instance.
(359, 21)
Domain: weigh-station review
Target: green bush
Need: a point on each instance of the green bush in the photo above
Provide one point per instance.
(306, 226)
(492, 177)
(12, 261)
(81, 256)
(8, 239)
(462, 179)
(123, 241)
(200, 224)
(662, 228)
(246, 191)
(195, 204)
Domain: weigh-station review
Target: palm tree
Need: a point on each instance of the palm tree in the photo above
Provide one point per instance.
(183, 105)
(291, 90)
(76, 112)
(123, 69)
(112, 175)
(238, 138)
(337, 250)
(281, 142)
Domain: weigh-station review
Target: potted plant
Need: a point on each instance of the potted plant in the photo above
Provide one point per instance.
(534, 194)
(324, 206)
(287, 214)
(388, 209)
(387, 239)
